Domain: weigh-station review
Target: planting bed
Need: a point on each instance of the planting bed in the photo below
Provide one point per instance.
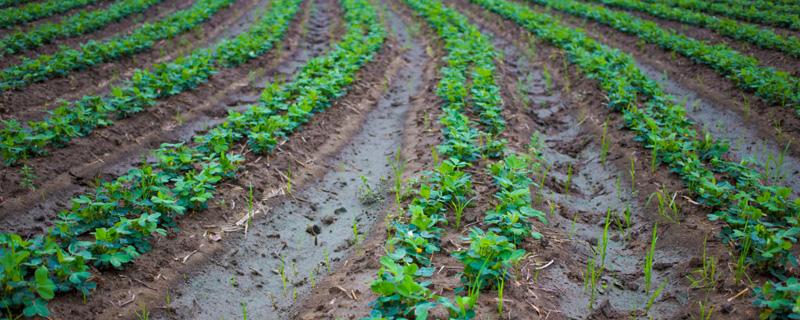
(399, 159)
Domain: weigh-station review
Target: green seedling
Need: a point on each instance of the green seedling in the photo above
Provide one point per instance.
(312, 278)
(142, 313)
(706, 275)
(398, 165)
(548, 79)
(367, 194)
(282, 273)
(604, 144)
(244, 310)
(705, 310)
(648, 260)
(654, 296)
(356, 235)
(666, 205)
(458, 206)
(327, 259)
(568, 183)
(28, 177)
(597, 264)
(500, 287)
(572, 227)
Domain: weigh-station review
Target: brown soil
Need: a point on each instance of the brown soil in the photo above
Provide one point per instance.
(123, 26)
(768, 57)
(150, 276)
(33, 101)
(774, 123)
(569, 118)
(111, 151)
(53, 18)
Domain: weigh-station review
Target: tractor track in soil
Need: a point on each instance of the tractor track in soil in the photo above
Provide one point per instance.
(34, 101)
(111, 151)
(151, 276)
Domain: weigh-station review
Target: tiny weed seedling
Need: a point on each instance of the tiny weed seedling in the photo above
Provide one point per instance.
(604, 144)
(706, 275)
(648, 260)
(282, 273)
(705, 310)
(654, 296)
(568, 183)
(458, 206)
(666, 205)
(327, 259)
(244, 310)
(28, 176)
(500, 287)
(548, 79)
(367, 194)
(356, 235)
(597, 264)
(142, 313)
(572, 227)
(632, 172)
(398, 168)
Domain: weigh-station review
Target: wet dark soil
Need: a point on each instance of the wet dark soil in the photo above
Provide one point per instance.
(149, 279)
(775, 123)
(110, 151)
(33, 101)
(122, 26)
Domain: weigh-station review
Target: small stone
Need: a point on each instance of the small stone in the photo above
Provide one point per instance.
(340, 211)
(313, 229)
(328, 220)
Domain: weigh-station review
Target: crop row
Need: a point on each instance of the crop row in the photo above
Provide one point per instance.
(74, 25)
(759, 219)
(10, 17)
(750, 14)
(122, 214)
(94, 52)
(141, 91)
(791, 7)
(125, 214)
(467, 83)
(8, 3)
(762, 37)
(775, 86)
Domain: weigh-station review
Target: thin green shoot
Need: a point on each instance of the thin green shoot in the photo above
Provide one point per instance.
(648, 260)
(568, 183)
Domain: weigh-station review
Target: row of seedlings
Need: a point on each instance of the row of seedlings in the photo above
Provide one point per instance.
(11, 17)
(74, 25)
(774, 86)
(114, 224)
(93, 52)
(467, 87)
(142, 90)
(777, 18)
(760, 219)
(757, 35)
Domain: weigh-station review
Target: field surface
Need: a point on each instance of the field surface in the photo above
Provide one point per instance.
(399, 159)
